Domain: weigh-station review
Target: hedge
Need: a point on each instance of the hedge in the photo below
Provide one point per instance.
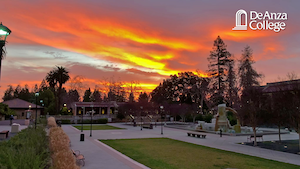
(27, 149)
(99, 121)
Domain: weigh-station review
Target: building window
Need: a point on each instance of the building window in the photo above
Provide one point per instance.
(22, 113)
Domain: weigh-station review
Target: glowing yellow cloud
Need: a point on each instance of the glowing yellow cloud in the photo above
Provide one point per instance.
(117, 31)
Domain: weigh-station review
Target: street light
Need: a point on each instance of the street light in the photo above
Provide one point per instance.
(28, 114)
(82, 134)
(141, 118)
(200, 107)
(161, 110)
(36, 96)
(91, 120)
(4, 32)
(41, 101)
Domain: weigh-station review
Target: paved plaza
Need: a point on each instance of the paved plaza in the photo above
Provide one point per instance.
(98, 155)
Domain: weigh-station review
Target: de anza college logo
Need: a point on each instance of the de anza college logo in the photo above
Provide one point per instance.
(260, 21)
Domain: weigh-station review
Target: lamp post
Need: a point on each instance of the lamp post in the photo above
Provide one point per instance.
(200, 107)
(36, 96)
(41, 102)
(28, 114)
(82, 134)
(4, 32)
(161, 110)
(91, 120)
(141, 118)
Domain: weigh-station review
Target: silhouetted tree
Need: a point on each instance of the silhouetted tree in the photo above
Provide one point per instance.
(232, 91)
(184, 89)
(143, 98)
(295, 107)
(43, 86)
(280, 103)
(87, 95)
(131, 98)
(218, 65)
(96, 96)
(56, 78)
(8, 94)
(251, 93)
(25, 94)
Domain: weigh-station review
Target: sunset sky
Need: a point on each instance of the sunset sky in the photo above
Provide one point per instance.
(138, 40)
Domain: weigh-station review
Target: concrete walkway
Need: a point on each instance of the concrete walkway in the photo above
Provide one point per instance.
(99, 155)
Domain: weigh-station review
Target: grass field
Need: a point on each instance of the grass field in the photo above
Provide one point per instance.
(98, 127)
(164, 153)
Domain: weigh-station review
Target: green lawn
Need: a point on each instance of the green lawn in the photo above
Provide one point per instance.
(164, 153)
(98, 127)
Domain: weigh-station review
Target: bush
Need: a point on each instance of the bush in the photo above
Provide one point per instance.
(120, 116)
(27, 149)
(208, 117)
(102, 121)
(99, 121)
(51, 122)
(64, 160)
(62, 157)
(232, 118)
(199, 117)
(188, 118)
(65, 121)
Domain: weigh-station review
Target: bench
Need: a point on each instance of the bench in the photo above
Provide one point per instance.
(148, 126)
(257, 136)
(4, 134)
(193, 134)
(79, 157)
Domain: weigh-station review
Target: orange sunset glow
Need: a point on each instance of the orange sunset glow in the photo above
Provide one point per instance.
(144, 41)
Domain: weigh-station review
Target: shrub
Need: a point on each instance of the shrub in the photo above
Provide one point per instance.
(64, 160)
(58, 139)
(208, 117)
(102, 121)
(51, 122)
(27, 149)
(65, 121)
(199, 117)
(99, 121)
(62, 157)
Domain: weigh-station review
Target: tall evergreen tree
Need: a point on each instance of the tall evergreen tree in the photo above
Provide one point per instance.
(131, 98)
(87, 95)
(25, 94)
(17, 91)
(96, 96)
(250, 98)
(143, 98)
(43, 86)
(232, 91)
(8, 94)
(218, 60)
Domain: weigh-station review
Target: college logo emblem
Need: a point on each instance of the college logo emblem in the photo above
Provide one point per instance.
(238, 20)
(260, 21)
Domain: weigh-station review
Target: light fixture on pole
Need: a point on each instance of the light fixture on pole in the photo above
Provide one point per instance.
(141, 118)
(82, 134)
(36, 96)
(161, 110)
(4, 32)
(91, 120)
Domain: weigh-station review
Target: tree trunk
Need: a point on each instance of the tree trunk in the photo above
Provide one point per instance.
(279, 133)
(254, 133)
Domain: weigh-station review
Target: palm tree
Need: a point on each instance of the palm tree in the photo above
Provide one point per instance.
(56, 78)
